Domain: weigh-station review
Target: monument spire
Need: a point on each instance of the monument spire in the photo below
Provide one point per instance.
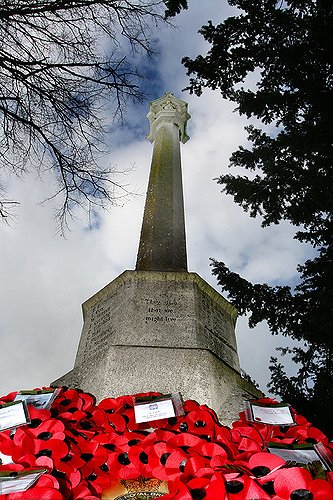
(163, 240)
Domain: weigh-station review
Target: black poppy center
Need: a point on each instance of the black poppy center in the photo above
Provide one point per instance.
(87, 456)
(234, 486)
(92, 477)
(67, 458)
(143, 457)
(172, 420)
(44, 436)
(198, 493)
(123, 459)
(183, 427)
(44, 453)
(35, 422)
(58, 474)
(164, 457)
(260, 471)
(85, 424)
(133, 442)
(65, 402)
(268, 487)
(109, 446)
(104, 468)
(301, 495)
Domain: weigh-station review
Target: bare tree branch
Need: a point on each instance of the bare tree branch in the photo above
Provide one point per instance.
(60, 62)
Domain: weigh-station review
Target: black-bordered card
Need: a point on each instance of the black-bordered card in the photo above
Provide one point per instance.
(40, 399)
(13, 415)
(302, 453)
(269, 414)
(16, 481)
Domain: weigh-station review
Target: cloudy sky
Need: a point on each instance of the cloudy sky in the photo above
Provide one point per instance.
(45, 277)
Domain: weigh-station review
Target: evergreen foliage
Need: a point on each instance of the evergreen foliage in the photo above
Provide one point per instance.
(285, 47)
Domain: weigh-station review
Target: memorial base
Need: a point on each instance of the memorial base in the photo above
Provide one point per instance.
(161, 331)
(197, 374)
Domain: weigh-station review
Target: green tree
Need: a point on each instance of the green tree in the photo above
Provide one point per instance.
(274, 60)
(61, 64)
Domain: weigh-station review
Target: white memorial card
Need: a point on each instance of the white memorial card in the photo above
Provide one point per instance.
(153, 410)
(21, 481)
(13, 415)
(40, 399)
(274, 414)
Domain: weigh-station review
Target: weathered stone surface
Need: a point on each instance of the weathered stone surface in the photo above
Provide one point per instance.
(168, 332)
(196, 373)
(163, 240)
(156, 309)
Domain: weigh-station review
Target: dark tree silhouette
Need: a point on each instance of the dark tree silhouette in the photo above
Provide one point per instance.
(285, 47)
(61, 64)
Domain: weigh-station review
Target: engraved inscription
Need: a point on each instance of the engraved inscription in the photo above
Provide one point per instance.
(217, 321)
(162, 310)
(98, 328)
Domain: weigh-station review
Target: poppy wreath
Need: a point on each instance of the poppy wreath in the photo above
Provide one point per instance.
(88, 447)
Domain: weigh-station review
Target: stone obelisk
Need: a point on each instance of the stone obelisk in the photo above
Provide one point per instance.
(163, 240)
(160, 327)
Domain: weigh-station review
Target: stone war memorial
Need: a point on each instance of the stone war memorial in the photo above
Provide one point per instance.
(135, 419)
(160, 327)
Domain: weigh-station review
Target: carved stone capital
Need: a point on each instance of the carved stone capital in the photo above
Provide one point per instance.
(168, 109)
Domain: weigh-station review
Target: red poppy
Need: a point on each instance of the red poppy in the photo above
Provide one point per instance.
(28, 460)
(240, 486)
(111, 405)
(9, 398)
(247, 439)
(158, 454)
(184, 441)
(121, 465)
(174, 466)
(115, 422)
(98, 481)
(7, 445)
(194, 466)
(261, 464)
(48, 429)
(308, 434)
(93, 455)
(209, 489)
(298, 481)
(72, 417)
(37, 416)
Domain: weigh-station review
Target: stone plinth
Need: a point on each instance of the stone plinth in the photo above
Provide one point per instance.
(160, 331)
